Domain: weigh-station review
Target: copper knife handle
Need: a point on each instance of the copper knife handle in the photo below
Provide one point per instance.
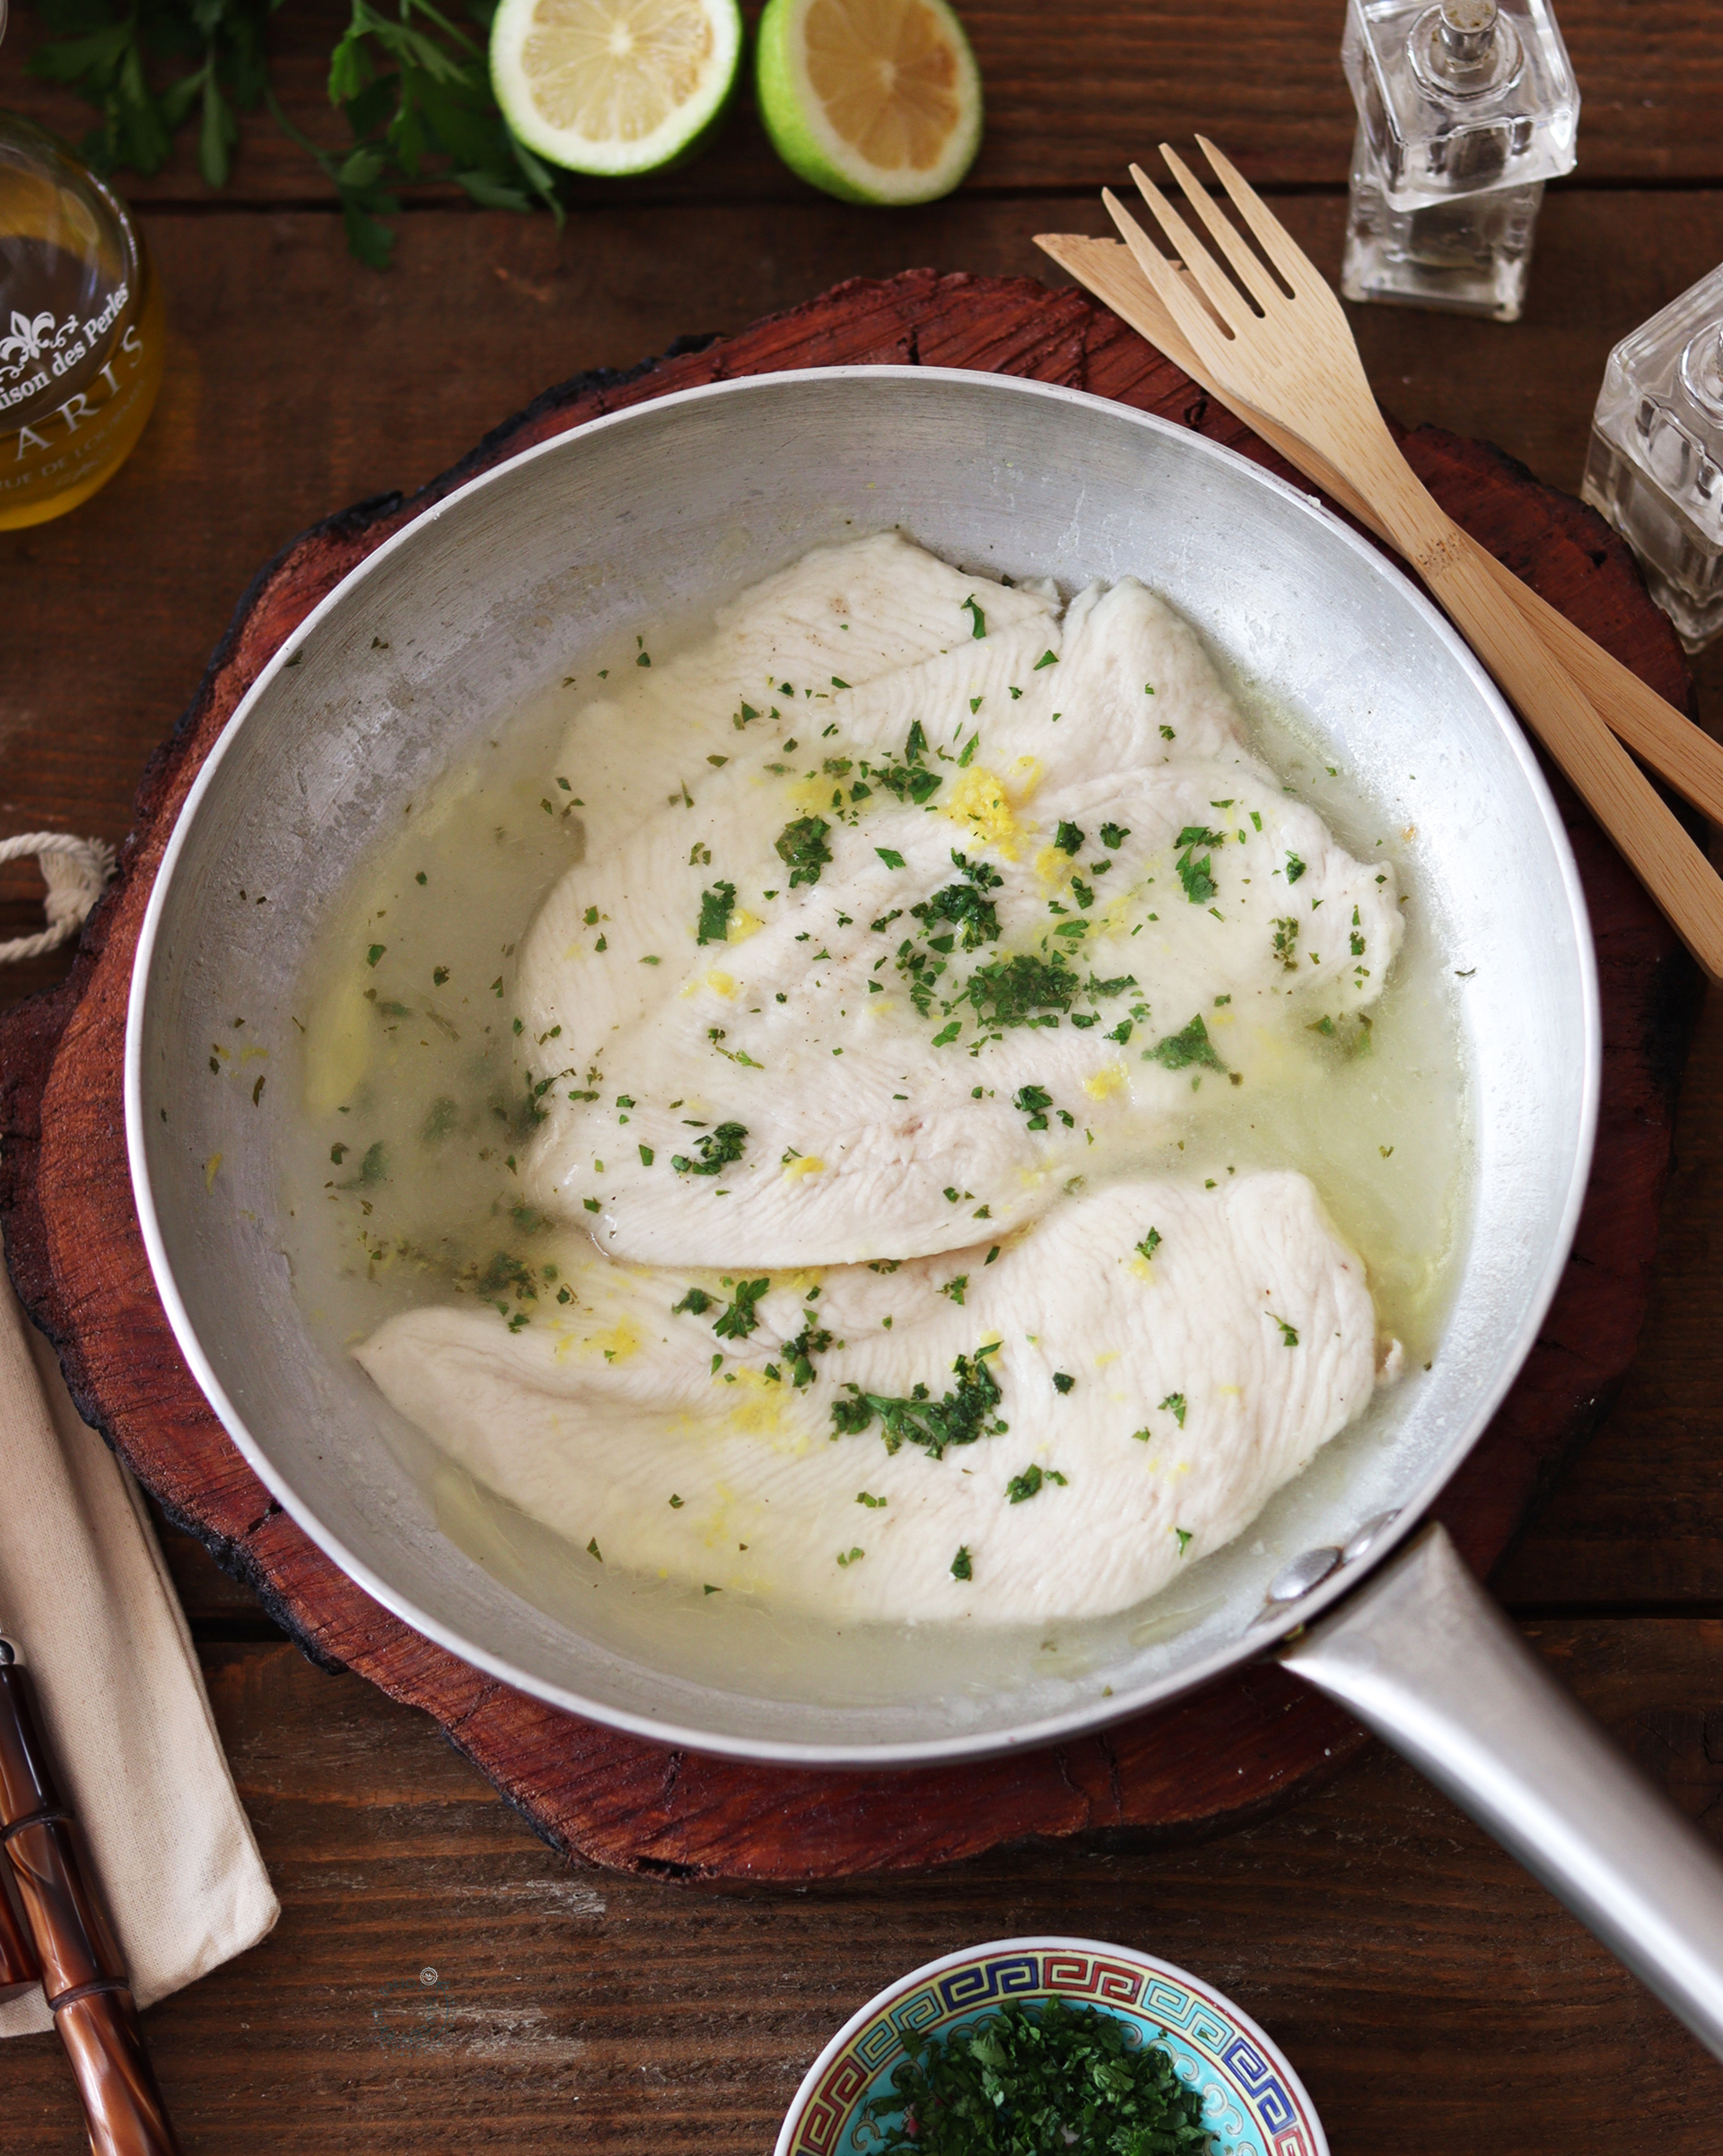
(18, 1969)
(83, 1974)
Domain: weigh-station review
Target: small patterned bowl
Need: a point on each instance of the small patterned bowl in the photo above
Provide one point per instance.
(1253, 2102)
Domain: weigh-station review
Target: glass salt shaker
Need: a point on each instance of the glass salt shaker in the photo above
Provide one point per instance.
(1655, 467)
(81, 332)
(1464, 110)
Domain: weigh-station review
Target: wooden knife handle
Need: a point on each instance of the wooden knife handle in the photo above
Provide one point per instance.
(88, 1989)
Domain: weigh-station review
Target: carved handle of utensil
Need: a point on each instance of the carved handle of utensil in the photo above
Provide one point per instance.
(82, 1971)
(18, 1970)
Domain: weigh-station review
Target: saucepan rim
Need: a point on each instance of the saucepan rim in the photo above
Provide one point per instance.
(1092, 1715)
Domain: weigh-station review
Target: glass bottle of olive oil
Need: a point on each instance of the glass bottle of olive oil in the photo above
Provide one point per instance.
(81, 328)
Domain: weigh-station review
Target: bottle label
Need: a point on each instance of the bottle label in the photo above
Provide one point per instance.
(41, 350)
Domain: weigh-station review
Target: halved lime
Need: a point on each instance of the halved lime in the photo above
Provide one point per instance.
(873, 100)
(615, 86)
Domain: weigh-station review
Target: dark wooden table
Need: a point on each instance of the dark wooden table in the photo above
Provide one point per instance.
(1434, 1999)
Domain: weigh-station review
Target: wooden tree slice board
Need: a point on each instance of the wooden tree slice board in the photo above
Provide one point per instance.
(1249, 1742)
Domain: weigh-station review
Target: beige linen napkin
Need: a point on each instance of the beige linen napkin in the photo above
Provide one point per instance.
(85, 1598)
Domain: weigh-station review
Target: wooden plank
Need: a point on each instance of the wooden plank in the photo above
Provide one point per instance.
(388, 382)
(1638, 1520)
(1435, 1999)
(1074, 91)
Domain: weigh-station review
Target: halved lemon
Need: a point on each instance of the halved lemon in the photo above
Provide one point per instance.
(615, 86)
(873, 100)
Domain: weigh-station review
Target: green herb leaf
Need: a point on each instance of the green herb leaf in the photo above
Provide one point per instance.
(963, 1415)
(1179, 1050)
(717, 906)
(801, 847)
(717, 1150)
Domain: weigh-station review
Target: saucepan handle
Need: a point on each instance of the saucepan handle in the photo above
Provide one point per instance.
(1423, 1656)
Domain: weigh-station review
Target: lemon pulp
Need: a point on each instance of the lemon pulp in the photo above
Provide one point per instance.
(888, 77)
(873, 100)
(614, 86)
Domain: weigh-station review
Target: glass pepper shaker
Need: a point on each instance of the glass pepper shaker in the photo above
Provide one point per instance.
(1464, 110)
(81, 332)
(1655, 467)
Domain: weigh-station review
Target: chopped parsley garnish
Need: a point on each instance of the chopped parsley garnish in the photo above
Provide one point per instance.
(1150, 1242)
(1166, 734)
(810, 1341)
(907, 780)
(889, 855)
(1185, 1538)
(966, 904)
(592, 1550)
(851, 1557)
(1022, 1487)
(1197, 876)
(375, 952)
(801, 847)
(1034, 1102)
(955, 1288)
(717, 906)
(1009, 991)
(1068, 838)
(1062, 1381)
(1020, 2081)
(872, 1503)
(1174, 1405)
(1113, 835)
(962, 1568)
(977, 619)
(1047, 658)
(1294, 868)
(964, 1414)
(717, 1150)
(1179, 1051)
(1288, 1333)
(1286, 942)
(738, 1316)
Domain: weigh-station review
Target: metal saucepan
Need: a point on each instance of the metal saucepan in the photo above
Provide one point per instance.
(664, 509)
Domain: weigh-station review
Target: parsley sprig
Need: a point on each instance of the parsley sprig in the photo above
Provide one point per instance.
(413, 86)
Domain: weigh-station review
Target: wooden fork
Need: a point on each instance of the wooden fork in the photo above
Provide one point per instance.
(1291, 357)
(1651, 727)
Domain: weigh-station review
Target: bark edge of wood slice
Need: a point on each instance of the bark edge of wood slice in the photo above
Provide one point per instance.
(1219, 1757)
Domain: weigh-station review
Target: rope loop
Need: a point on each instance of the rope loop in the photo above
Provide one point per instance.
(76, 872)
